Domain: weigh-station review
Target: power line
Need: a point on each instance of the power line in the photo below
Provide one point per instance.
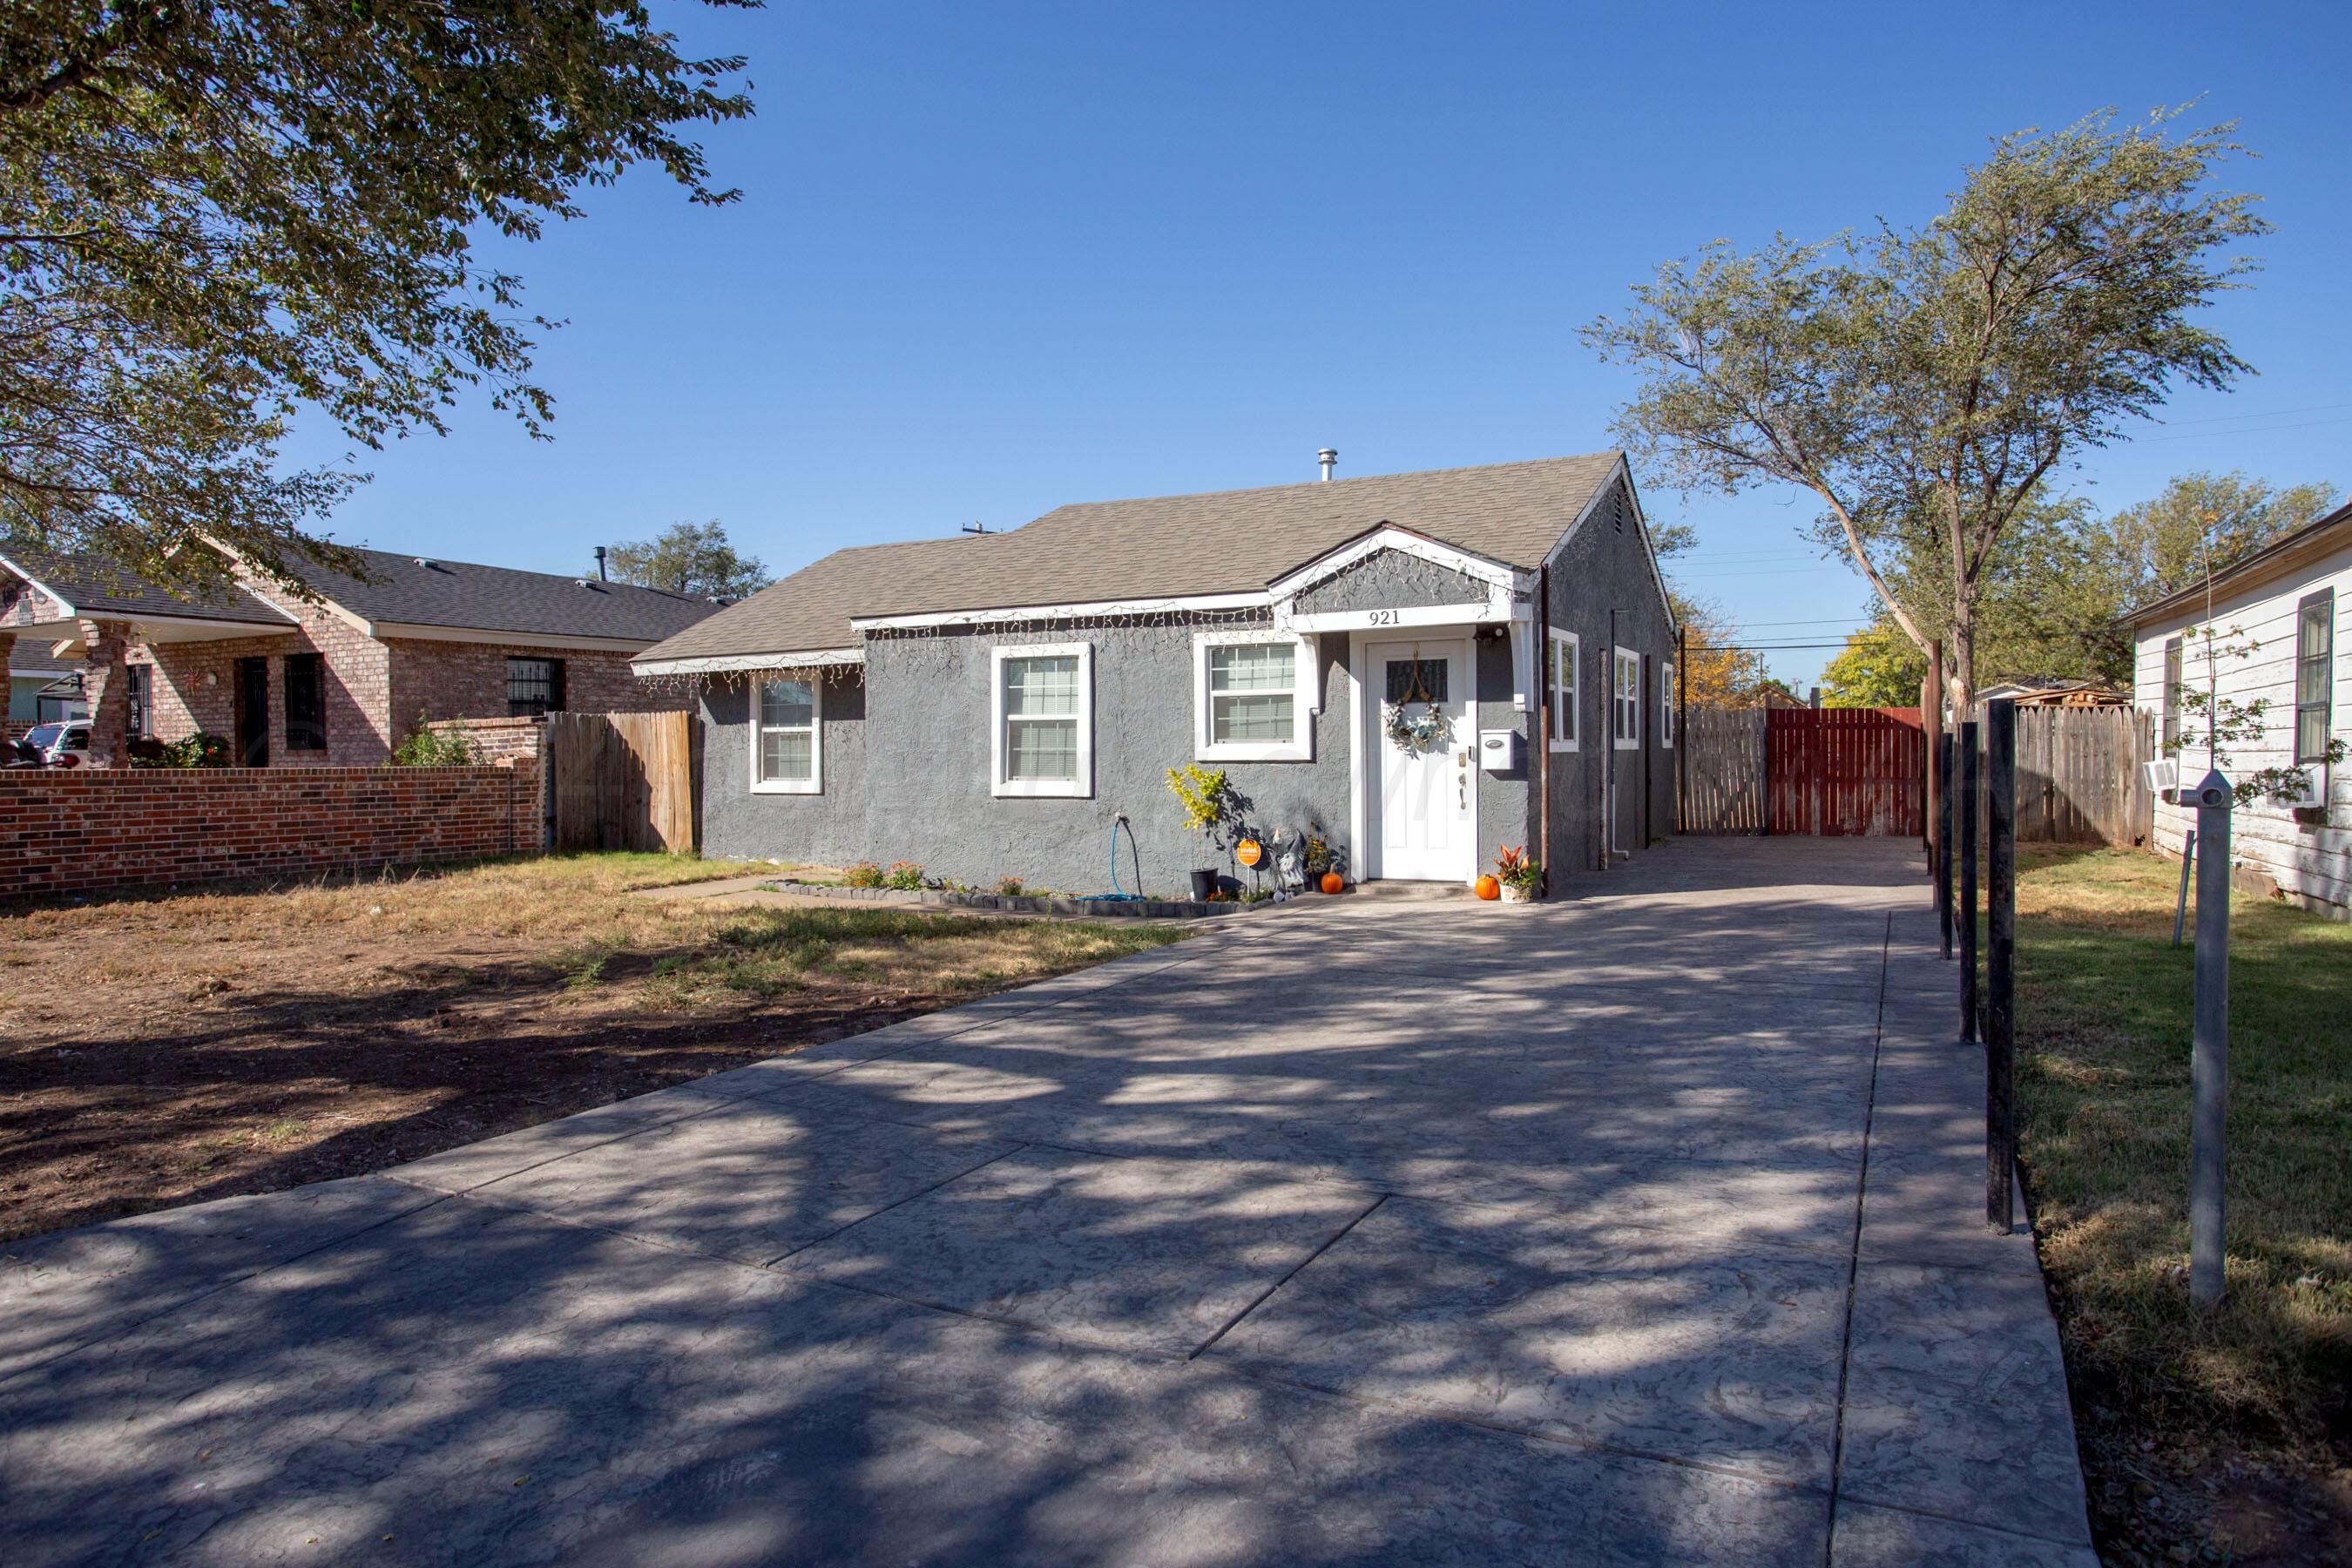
(1760, 569)
(2265, 414)
(2250, 430)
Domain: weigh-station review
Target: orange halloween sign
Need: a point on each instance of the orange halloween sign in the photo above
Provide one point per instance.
(1249, 852)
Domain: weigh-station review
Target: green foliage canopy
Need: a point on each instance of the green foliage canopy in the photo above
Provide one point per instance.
(689, 558)
(214, 214)
(1925, 384)
(2061, 579)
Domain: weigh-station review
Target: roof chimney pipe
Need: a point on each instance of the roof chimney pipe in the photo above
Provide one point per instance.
(1329, 457)
(600, 566)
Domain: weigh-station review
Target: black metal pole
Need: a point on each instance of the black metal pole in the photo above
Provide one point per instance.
(2000, 973)
(1946, 747)
(2209, 1055)
(1966, 808)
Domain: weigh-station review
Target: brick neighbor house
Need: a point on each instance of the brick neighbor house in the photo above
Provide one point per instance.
(339, 681)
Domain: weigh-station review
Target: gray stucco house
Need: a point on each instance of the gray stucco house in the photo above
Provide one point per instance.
(991, 705)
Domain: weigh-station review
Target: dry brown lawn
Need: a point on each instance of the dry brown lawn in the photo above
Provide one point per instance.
(165, 1050)
(2207, 1437)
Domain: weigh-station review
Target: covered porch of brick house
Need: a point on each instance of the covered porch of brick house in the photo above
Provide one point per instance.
(167, 679)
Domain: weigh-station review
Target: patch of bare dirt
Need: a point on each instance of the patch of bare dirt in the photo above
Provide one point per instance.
(250, 1066)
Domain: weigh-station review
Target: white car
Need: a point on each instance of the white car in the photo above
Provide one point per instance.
(58, 746)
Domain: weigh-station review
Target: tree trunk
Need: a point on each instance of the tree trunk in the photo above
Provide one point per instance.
(1960, 680)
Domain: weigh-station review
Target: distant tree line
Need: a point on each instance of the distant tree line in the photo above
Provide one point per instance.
(2059, 583)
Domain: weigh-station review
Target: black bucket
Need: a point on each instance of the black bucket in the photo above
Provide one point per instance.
(1204, 884)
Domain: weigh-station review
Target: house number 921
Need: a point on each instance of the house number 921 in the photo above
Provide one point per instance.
(1385, 617)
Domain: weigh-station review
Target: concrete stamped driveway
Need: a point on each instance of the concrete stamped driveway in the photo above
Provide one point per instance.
(1636, 1228)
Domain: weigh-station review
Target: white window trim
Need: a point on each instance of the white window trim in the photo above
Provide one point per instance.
(1620, 689)
(1081, 787)
(1667, 704)
(1300, 747)
(1565, 702)
(815, 783)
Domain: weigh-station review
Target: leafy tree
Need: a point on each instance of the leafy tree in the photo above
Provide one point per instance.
(2199, 521)
(1878, 668)
(1716, 672)
(689, 558)
(214, 212)
(2060, 580)
(1925, 384)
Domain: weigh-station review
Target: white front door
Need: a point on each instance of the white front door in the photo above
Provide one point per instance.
(1423, 814)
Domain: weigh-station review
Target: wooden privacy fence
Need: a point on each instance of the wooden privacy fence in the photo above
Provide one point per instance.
(1722, 755)
(1795, 770)
(621, 781)
(2078, 775)
(1846, 772)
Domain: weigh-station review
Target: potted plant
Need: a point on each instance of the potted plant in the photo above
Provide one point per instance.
(1515, 876)
(1208, 802)
(1325, 865)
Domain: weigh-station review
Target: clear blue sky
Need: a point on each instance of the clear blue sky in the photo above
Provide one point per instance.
(994, 258)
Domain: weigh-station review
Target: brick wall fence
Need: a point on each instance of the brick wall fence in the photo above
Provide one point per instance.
(496, 739)
(95, 829)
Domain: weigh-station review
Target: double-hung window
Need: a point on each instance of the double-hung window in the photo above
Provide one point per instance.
(786, 739)
(1253, 697)
(1625, 704)
(1041, 718)
(1560, 672)
(2172, 732)
(1666, 705)
(2314, 674)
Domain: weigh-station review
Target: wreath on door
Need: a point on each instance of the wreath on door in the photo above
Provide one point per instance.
(1427, 730)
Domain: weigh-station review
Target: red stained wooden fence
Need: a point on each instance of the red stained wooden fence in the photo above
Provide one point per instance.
(1841, 771)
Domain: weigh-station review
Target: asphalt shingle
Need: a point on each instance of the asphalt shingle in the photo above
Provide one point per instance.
(96, 587)
(1160, 547)
(412, 591)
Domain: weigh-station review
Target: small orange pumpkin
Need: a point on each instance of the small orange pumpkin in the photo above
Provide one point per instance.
(1489, 888)
(1334, 883)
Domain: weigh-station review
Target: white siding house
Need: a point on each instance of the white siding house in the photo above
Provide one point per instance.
(2289, 600)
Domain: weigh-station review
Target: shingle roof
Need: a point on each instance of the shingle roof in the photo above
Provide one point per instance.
(94, 586)
(406, 590)
(1161, 547)
(401, 589)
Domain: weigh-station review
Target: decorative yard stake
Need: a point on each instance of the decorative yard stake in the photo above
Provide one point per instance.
(1965, 809)
(2208, 1058)
(2001, 968)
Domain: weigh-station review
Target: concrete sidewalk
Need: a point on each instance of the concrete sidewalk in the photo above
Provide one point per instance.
(1636, 1228)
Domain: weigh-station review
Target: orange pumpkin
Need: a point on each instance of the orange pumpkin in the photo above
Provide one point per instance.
(1489, 888)
(1334, 883)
